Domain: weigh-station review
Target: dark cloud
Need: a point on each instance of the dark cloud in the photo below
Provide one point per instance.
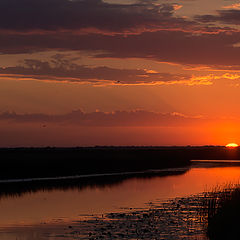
(29, 26)
(55, 15)
(167, 46)
(231, 16)
(177, 47)
(118, 118)
(61, 69)
(206, 18)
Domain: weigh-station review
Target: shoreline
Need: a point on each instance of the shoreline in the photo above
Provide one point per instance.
(39, 163)
(149, 172)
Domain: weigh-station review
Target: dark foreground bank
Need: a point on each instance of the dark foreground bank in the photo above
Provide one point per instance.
(49, 162)
(223, 213)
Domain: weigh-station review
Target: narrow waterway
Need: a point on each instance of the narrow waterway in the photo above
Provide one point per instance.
(50, 213)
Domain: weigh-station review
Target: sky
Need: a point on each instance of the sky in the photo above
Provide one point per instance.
(119, 72)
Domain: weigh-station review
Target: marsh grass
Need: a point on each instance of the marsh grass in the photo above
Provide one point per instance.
(221, 212)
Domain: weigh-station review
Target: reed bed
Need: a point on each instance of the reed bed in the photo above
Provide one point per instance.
(221, 212)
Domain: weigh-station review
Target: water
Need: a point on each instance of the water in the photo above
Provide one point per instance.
(44, 213)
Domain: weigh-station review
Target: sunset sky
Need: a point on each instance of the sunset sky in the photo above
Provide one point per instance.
(119, 72)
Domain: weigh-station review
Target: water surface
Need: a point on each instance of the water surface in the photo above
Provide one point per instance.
(46, 213)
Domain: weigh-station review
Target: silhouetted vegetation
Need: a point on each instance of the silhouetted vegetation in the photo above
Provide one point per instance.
(221, 211)
(47, 162)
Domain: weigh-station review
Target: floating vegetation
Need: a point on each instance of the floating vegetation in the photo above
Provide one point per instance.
(175, 219)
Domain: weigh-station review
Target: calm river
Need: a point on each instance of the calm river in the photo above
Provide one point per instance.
(47, 213)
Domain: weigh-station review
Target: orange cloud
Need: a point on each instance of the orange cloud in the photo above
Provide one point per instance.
(177, 7)
(232, 6)
(209, 78)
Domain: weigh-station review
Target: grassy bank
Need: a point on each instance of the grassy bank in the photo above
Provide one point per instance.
(222, 212)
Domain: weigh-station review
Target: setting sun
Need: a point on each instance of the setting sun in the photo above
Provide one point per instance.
(232, 145)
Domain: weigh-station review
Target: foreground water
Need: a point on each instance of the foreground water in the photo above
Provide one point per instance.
(108, 210)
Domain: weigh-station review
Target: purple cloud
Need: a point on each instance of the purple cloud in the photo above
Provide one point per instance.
(229, 16)
(63, 70)
(117, 118)
(54, 15)
(29, 26)
(166, 46)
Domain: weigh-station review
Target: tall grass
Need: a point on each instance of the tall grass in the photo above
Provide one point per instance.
(221, 212)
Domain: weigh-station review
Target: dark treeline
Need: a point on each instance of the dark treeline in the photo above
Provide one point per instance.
(49, 162)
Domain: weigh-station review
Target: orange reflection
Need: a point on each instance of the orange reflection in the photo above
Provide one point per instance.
(66, 206)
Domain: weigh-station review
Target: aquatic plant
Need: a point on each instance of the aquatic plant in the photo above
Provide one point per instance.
(221, 212)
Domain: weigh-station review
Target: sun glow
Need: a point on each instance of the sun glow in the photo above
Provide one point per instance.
(232, 145)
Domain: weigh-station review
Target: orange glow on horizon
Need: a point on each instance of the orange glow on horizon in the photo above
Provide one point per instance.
(232, 145)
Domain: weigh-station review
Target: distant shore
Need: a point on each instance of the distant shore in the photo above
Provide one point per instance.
(18, 163)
